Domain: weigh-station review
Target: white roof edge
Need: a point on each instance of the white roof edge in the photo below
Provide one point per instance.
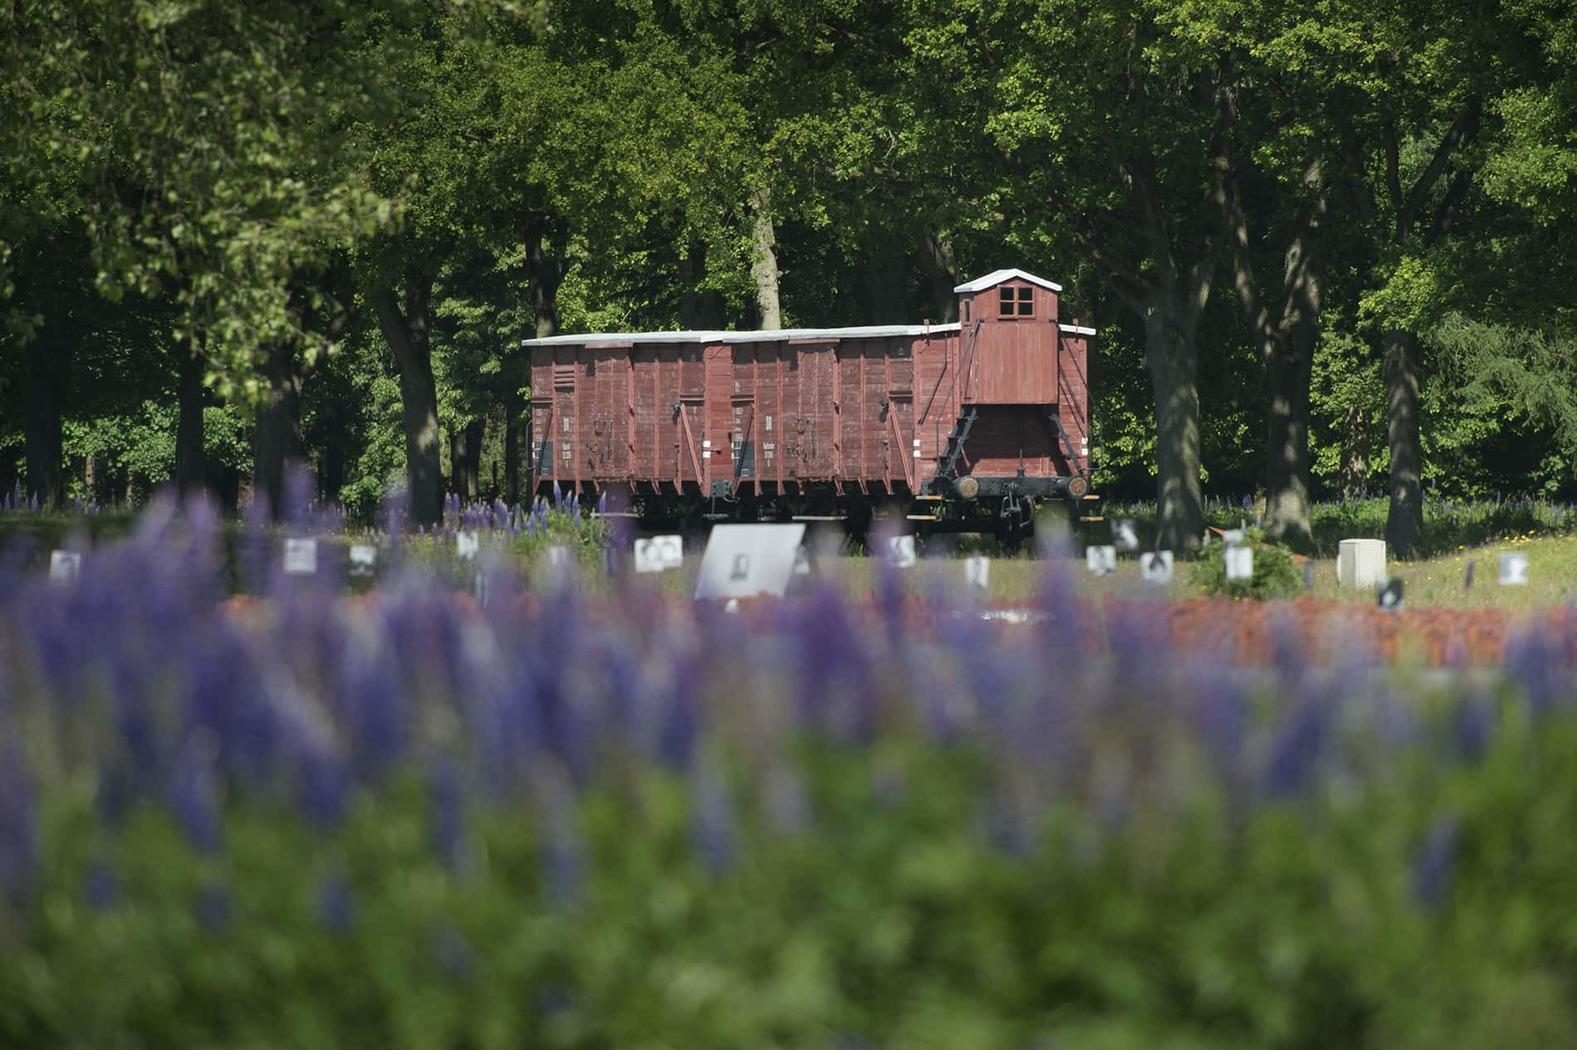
(769, 335)
(1076, 329)
(996, 277)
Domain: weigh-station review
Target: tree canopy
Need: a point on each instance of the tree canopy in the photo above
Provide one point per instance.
(1327, 247)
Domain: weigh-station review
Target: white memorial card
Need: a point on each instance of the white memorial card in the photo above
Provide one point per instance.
(1156, 567)
(301, 557)
(742, 561)
(659, 553)
(64, 566)
(1101, 561)
(900, 551)
(466, 544)
(1514, 569)
(977, 572)
(363, 559)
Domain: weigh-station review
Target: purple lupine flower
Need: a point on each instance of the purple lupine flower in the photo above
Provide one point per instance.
(1295, 751)
(563, 855)
(453, 952)
(712, 831)
(336, 904)
(322, 788)
(19, 849)
(214, 907)
(1532, 664)
(1435, 860)
(100, 887)
(194, 793)
(785, 801)
(446, 813)
(1473, 726)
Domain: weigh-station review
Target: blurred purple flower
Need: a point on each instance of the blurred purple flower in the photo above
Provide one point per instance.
(1296, 748)
(100, 887)
(194, 793)
(19, 845)
(712, 830)
(1473, 726)
(1435, 860)
(336, 904)
(214, 907)
(446, 812)
(322, 788)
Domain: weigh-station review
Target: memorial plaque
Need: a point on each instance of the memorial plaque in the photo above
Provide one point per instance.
(743, 561)
(1101, 561)
(1514, 569)
(363, 559)
(301, 557)
(977, 572)
(1467, 574)
(64, 566)
(659, 553)
(1308, 575)
(1156, 567)
(1240, 563)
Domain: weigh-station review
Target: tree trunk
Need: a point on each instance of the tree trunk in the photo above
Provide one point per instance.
(468, 461)
(1404, 525)
(48, 386)
(941, 274)
(1289, 366)
(1173, 360)
(1355, 453)
(887, 300)
(545, 247)
(699, 310)
(764, 262)
(513, 406)
(277, 440)
(408, 333)
(191, 465)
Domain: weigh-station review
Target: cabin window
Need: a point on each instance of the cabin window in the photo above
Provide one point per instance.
(1017, 302)
(966, 311)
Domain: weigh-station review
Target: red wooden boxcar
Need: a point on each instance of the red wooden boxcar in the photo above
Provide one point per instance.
(969, 423)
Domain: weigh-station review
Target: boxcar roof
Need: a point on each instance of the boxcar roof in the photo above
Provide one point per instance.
(769, 335)
(996, 277)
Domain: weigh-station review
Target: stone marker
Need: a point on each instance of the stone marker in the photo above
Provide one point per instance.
(1101, 561)
(1156, 567)
(64, 566)
(1467, 575)
(659, 553)
(301, 557)
(1308, 575)
(1390, 595)
(1240, 563)
(1514, 569)
(1360, 563)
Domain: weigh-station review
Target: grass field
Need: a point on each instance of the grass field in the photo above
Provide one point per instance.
(1456, 535)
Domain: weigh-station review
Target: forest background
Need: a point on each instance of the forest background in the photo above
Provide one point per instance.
(1329, 247)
